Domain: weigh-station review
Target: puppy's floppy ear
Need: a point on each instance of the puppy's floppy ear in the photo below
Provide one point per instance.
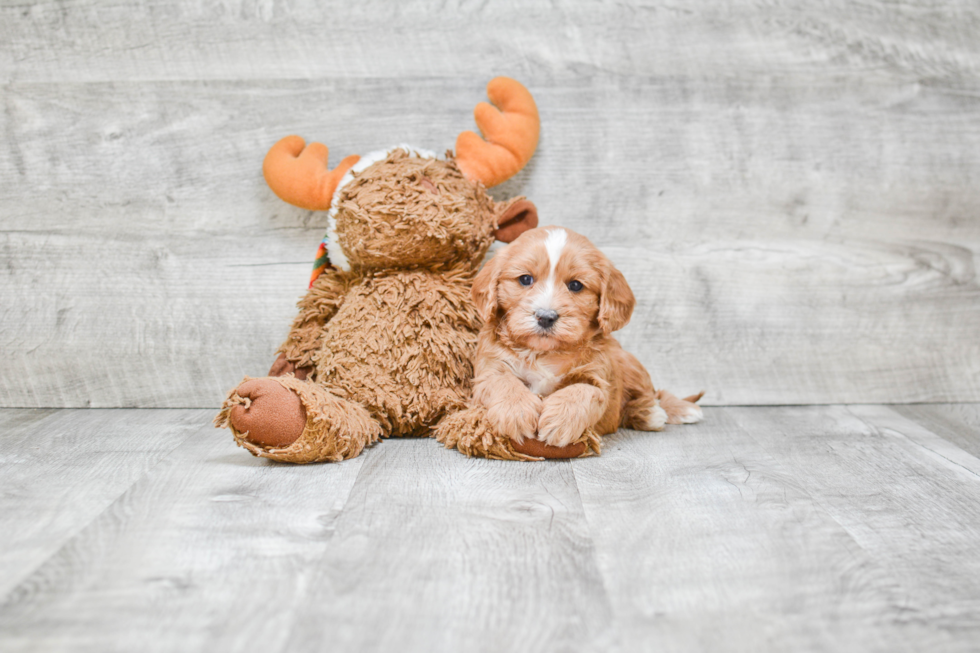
(484, 292)
(616, 300)
(514, 217)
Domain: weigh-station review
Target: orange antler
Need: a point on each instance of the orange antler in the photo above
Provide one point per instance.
(300, 176)
(511, 132)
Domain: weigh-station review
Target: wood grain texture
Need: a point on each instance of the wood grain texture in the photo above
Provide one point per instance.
(825, 528)
(957, 423)
(909, 499)
(456, 554)
(727, 549)
(211, 550)
(61, 469)
(216, 550)
(789, 188)
(245, 39)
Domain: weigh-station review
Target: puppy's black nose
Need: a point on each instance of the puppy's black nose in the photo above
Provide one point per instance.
(546, 318)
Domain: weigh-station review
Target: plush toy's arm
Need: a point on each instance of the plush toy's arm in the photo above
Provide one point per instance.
(320, 304)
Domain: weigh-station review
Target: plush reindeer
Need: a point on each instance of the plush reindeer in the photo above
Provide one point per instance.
(383, 341)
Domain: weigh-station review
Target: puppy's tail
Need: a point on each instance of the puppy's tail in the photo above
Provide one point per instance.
(694, 398)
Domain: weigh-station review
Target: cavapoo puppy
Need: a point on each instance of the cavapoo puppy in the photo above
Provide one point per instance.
(546, 365)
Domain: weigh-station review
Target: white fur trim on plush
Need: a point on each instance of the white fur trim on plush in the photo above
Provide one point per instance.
(334, 250)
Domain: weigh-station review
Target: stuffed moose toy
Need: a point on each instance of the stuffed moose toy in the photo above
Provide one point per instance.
(383, 341)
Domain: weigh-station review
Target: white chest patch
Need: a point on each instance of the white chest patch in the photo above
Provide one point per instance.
(541, 379)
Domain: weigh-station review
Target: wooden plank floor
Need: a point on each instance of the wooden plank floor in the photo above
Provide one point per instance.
(822, 528)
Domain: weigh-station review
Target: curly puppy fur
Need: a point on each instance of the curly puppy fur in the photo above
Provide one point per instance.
(387, 347)
(472, 433)
(547, 367)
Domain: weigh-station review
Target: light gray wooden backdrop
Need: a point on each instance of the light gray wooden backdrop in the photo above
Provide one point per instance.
(790, 187)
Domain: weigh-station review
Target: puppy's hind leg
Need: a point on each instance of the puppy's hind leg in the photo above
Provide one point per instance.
(681, 411)
(642, 410)
(648, 409)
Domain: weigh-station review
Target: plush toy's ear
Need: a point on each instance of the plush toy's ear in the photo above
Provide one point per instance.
(514, 217)
(484, 292)
(616, 301)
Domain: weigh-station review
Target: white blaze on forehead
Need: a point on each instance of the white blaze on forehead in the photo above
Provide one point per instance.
(554, 243)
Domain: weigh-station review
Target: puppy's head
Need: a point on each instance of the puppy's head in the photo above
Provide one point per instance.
(553, 289)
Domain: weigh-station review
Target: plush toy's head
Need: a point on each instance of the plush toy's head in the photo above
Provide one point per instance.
(410, 209)
(406, 208)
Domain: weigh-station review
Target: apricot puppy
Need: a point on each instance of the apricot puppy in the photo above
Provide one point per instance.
(547, 367)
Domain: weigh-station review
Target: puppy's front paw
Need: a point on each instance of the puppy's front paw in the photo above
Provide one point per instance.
(518, 419)
(561, 423)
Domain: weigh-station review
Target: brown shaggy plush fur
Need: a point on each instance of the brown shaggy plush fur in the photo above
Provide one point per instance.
(389, 344)
(406, 212)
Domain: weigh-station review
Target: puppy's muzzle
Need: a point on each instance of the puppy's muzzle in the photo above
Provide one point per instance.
(546, 318)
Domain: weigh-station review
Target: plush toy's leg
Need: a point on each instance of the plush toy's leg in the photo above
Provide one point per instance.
(470, 432)
(286, 419)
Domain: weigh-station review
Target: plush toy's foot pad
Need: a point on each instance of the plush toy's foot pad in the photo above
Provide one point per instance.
(470, 432)
(292, 420)
(539, 449)
(269, 415)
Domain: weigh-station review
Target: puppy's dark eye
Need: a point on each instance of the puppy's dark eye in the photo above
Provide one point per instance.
(575, 285)
(525, 279)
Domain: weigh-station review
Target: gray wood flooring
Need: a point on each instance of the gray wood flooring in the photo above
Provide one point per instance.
(822, 528)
